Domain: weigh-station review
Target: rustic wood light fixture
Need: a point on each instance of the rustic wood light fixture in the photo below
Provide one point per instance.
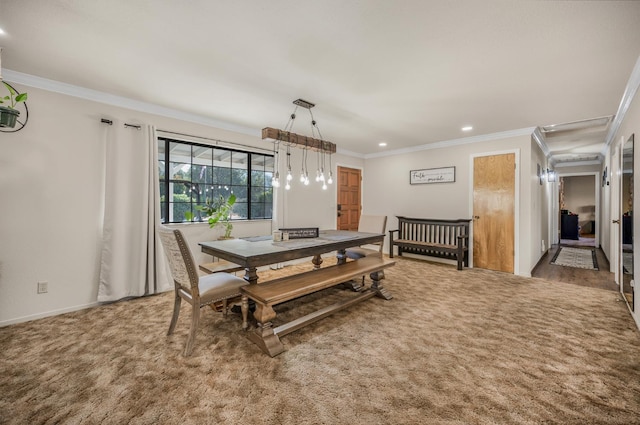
(289, 139)
(273, 134)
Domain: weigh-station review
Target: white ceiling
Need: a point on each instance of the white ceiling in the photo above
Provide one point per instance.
(406, 73)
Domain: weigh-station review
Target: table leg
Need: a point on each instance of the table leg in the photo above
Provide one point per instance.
(353, 284)
(251, 275)
(263, 335)
(376, 277)
(317, 261)
(342, 256)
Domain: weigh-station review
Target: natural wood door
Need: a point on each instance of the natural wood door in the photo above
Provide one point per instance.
(493, 210)
(348, 198)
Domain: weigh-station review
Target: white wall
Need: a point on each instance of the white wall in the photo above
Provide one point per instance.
(631, 125)
(579, 195)
(310, 206)
(387, 190)
(51, 183)
(541, 196)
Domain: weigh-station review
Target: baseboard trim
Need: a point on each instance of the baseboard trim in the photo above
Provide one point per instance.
(47, 314)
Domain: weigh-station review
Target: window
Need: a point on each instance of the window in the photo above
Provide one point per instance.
(192, 174)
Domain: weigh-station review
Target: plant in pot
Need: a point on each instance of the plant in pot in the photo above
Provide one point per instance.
(9, 114)
(218, 212)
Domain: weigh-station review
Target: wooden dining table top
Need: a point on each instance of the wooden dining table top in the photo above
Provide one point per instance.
(251, 252)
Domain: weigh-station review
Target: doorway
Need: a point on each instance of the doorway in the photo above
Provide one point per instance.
(349, 198)
(578, 198)
(625, 185)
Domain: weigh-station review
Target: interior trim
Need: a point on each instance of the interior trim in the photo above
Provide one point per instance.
(122, 102)
(456, 142)
(627, 97)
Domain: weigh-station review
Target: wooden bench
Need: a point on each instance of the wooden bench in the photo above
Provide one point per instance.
(220, 266)
(268, 294)
(437, 238)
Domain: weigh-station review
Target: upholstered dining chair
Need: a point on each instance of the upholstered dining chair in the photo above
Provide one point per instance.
(369, 224)
(199, 291)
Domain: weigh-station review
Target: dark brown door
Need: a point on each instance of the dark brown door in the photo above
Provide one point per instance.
(348, 198)
(493, 210)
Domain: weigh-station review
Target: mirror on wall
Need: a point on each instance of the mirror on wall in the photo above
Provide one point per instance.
(627, 221)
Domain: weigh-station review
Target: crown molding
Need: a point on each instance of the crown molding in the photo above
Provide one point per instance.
(541, 141)
(122, 102)
(350, 153)
(627, 97)
(455, 142)
(576, 163)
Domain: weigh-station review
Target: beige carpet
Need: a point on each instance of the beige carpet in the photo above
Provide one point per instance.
(452, 347)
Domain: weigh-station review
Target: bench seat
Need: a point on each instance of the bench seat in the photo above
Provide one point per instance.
(268, 294)
(221, 266)
(433, 237)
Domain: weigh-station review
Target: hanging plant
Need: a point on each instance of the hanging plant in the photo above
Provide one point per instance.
(9, 114)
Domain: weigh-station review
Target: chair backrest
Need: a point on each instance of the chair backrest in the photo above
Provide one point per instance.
(183, 269)
(373, 224)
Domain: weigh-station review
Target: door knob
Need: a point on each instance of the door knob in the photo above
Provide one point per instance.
(615, 221)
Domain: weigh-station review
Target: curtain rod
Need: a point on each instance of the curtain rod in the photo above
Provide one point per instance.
(110, 122)
(217, 141)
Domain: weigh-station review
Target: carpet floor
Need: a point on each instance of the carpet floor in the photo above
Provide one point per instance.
(451, 347)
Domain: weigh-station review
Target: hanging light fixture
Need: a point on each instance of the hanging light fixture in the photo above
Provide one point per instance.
(322, 147)
(275, 180)
(287, 185)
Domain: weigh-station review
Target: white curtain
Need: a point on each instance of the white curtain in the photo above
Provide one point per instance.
(132, 262)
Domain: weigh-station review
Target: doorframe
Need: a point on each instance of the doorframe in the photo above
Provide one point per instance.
(337, 192)
(516, 208)
(555, 205)
(615, 192)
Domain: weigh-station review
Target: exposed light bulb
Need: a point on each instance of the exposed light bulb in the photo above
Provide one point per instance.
(330, 180)
(287, 186)
(275, 181)
(317, 175)
(302, 176)
(306, 181)
(324, 186)
(289, 176)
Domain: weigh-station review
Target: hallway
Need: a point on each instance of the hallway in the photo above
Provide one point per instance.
(602, 278)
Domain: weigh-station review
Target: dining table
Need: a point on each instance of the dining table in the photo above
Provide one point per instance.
(253, 252)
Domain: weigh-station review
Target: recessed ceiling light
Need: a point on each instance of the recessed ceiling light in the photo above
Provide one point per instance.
(382, 144)
(467, 128)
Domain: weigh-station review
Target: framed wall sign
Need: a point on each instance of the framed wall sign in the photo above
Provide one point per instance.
(433, 175)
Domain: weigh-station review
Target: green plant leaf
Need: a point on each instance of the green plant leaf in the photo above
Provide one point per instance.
(21, 97)
(188, 215)
(11, 90)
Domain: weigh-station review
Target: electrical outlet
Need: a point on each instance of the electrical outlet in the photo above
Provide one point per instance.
(43, 287)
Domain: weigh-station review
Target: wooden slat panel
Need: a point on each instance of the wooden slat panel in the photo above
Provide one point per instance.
(290, 287)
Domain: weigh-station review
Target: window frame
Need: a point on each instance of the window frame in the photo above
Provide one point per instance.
(165, 184)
